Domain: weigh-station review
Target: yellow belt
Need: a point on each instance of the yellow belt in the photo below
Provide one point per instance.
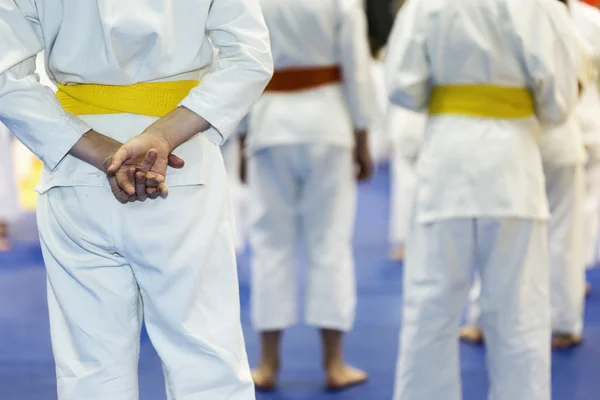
(484, 101)
(153, 99)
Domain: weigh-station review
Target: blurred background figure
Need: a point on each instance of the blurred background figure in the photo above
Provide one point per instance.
(397, 133)
(307, 145)
(404, 129)
(380, 18)
(564, 159)
(587, 22)
(481, 196)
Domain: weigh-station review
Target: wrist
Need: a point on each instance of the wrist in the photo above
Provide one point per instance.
(95, 149)
(361, 136)
(177, 127)
(162, 135)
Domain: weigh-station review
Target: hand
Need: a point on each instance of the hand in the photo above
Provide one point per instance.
(164, 135)
(139, 167)
(98, 150)
(362, 156)
(117, 191)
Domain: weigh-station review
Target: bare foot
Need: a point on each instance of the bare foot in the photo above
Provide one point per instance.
(265, 378)
(342, 377)
(565, 341)
(472, 334)
(397, 253)
(4, 245)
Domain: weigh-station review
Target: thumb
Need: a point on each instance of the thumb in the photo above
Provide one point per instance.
(175, 162)
(117, 160)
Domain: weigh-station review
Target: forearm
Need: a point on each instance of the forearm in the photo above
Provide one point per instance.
(177, 127)
(361, 138)
(95, 149)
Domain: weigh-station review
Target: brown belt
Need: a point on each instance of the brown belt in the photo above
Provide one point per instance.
(294, 79)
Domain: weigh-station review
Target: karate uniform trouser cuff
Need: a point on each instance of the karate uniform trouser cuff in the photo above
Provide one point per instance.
(302, 193)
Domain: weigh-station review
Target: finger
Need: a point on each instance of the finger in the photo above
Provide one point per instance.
(148, 161)
(116, 191)
(175, 162)
(152, 193)
(131, 179)
(121, 196)
(118, 160)
(140, 185)
(123, 179)
(163, 190)
(153, 179)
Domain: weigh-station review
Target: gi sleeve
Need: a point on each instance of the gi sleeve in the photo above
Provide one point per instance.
(407, 66)
(550, 54)
(29, 109)
(587, 20)
(242, 129)
(355, 60)
(241, 70)
(585, 67)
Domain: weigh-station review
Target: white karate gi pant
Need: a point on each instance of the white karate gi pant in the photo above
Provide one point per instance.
(591, 212)
(9, 203)
(171, 260)
(404, 185)
(512, 255)
(302, 192)
(565, 186)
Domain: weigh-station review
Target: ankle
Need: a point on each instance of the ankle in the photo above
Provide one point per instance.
(333, 357)
(334, 364)
(271, 364)
(3, 230)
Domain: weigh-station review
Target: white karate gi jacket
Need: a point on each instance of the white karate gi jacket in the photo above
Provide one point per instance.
(316, 33)
(117, 42)
(470, 166)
